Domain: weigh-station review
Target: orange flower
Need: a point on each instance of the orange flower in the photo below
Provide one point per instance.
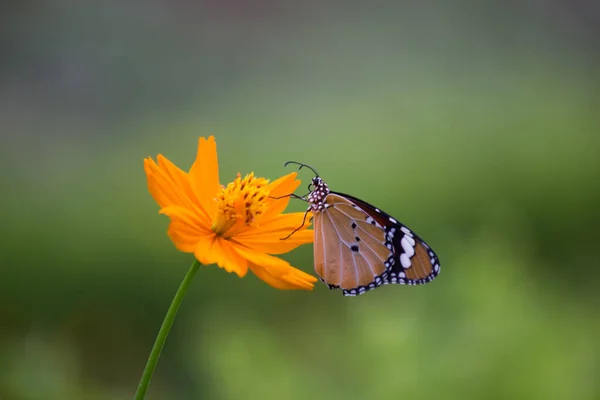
(236, 226)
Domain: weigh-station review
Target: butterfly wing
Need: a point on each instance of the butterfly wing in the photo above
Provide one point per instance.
(351, 252)
(415, 262)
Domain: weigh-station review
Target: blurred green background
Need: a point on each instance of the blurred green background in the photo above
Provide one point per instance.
(474, 123)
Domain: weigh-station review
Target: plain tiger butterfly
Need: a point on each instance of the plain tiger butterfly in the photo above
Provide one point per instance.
(358, 247)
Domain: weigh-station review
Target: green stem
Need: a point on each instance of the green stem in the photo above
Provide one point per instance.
(164, 331)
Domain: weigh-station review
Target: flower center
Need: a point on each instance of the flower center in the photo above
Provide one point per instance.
(240, 204)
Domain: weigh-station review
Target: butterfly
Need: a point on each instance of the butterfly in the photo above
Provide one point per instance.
(358, 247)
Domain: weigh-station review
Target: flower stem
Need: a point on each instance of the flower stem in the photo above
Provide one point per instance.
(164, 331)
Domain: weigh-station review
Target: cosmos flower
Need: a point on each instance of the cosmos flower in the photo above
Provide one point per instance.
(238, 226)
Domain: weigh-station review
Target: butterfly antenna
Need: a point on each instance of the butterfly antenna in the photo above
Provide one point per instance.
(301, 165)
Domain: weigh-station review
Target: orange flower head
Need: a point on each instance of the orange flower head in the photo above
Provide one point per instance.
(238, 226)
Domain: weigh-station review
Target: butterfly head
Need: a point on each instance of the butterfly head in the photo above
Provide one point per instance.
(318, 191)
(318, 188)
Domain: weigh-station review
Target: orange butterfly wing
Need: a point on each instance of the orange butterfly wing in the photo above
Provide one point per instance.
(358, 247)
(349, 251)
(415, 262)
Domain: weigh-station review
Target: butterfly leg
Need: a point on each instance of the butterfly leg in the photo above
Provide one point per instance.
(298, 228)
(292, 195)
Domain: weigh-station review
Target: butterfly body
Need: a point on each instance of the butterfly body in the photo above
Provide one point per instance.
(358, 247)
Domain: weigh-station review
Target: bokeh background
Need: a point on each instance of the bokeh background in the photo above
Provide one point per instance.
(474, 123)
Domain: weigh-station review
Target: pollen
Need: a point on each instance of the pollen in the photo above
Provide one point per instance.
(241, 203)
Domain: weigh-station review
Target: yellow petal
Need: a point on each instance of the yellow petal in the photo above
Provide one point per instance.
(272, 281)
(268, 237)
(232, 261)
(275, 271)
(186, 228)
(204, 251)
(220, 251)
(273, 244)
(164, 189)
(204, 174)
(283, 186)
(170, 186)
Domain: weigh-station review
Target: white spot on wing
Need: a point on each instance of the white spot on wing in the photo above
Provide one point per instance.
(405, 261)
(407, 231)
(408, 248)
